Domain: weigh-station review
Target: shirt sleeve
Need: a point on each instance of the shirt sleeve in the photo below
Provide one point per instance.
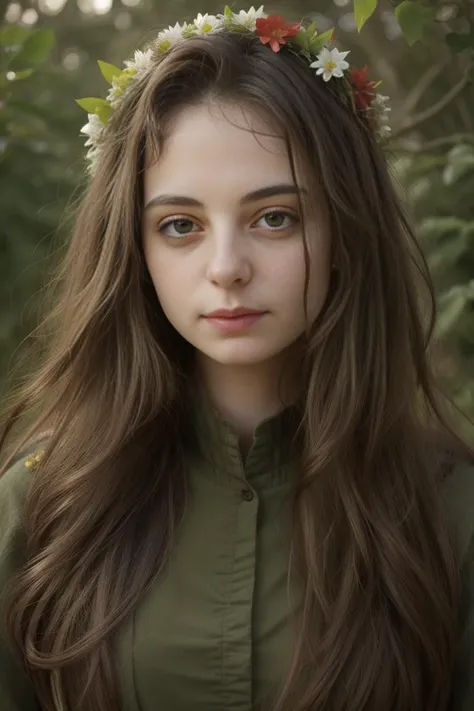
(463, 676)
(16, 692)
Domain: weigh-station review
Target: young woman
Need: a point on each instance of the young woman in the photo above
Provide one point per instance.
(236, 489)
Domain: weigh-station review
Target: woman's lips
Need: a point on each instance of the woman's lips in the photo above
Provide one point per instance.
(234, 324)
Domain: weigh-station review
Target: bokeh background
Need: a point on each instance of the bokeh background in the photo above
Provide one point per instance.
(48, 58)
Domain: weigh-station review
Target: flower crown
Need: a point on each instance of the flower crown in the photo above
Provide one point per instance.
(352, 86)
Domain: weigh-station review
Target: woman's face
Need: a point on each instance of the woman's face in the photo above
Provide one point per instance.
(221, 229)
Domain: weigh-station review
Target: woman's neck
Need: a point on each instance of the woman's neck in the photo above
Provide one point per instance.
(245, 395)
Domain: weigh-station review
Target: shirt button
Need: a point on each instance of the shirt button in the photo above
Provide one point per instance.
(247, 494)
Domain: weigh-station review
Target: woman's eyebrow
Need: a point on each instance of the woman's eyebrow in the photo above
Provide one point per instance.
(268, 191)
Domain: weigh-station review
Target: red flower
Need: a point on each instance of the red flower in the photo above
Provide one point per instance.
(273, 30)
(363, 88)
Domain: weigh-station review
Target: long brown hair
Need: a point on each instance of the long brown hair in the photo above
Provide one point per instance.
(370, 543)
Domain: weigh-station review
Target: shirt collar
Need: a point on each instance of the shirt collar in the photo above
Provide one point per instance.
(275, 445)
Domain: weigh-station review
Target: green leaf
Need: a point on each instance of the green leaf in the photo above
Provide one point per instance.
(100, 107)
(109, 71)
(228, 14)
(104, 113)
(450, 252)
(459, 42)
(301, 39)
(438, 228)
(468, 231)
(12, 35)
(317, 44)
(363, 9)
(35, 48)
(451, 305)
(311, 30)
(460, 163)
(413, 18)
(92, 104)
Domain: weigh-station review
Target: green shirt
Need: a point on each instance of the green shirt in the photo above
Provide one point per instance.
(212, 632)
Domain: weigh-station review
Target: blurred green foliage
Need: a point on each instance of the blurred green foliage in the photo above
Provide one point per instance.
(441, 190)
(423, 51)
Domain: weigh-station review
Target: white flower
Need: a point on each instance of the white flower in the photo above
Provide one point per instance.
(114, 95)
(171, 36)
(142, 61)
(380, 104)
(330, 63)
(119, 88)
(381, 110)
(383, 131)
(207, 23)
(249, 19)
(93, 129)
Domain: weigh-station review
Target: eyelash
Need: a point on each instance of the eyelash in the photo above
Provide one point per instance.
(177, 218)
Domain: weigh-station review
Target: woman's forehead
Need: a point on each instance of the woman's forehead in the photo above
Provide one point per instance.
(209, 150)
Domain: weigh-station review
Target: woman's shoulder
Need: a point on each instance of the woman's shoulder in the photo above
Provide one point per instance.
(14, 485)
(457, 495)
(13, 490)
(15, 688)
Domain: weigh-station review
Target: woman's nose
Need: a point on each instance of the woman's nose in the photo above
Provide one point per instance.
(228, 262)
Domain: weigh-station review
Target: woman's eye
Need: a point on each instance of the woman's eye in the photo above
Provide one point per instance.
(177, 227)
(277, 220)
(181, 227)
